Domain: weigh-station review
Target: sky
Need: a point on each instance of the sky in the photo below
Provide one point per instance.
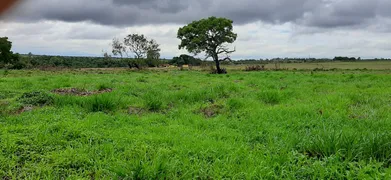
(265, 28)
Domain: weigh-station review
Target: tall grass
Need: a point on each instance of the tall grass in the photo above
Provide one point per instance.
(349, 145)
(194, 125)
(95, 103)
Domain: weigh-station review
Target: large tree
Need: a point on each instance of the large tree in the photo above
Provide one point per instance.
(209, 35)
(5, 50)
(138, 46)
(7, 57)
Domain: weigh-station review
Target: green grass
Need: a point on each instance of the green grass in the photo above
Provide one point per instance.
(189, 124)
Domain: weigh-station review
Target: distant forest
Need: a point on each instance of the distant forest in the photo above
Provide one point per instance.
(45, 61)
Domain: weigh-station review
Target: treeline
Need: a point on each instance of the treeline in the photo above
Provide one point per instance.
(27, 61)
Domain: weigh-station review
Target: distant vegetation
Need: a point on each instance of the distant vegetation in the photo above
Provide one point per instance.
(27, 61)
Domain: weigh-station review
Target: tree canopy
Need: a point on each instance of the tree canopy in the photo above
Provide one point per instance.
(5, 50)
(140, 47)
(185, 59)
(209, 35)
(7, 57)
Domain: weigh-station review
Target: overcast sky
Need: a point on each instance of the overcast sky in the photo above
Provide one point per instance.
(266, 28)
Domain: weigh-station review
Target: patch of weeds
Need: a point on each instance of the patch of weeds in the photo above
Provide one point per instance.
(103, 87)
(142, 79)
(3, 108)
(97, 103)
(270, 97)
(153, 101)
(37, 98)
(234, 104)
(5, 73)
(6, 94)
(101, 104)
(350, 146)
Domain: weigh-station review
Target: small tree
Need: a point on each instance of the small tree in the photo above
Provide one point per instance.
(210, 36)
(139, 46)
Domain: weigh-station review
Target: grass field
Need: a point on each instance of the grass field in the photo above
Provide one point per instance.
(120, 124)
(370, 65)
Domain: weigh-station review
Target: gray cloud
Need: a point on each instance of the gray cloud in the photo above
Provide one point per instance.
(307, 13)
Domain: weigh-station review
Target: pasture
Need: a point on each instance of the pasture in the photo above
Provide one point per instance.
(121, 124)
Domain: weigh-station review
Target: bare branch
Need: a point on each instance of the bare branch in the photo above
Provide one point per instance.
(207, 56)
(226, 59)
(224, 49)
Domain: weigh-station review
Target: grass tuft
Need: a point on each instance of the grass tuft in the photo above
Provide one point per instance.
(270, 97)
(36, 98)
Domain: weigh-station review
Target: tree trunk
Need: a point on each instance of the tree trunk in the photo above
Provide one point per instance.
(218, 68)
(219, 71)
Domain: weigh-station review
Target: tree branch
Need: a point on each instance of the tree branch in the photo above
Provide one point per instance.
(226, 59)
(225, 50)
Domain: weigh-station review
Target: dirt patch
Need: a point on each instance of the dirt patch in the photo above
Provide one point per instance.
(80, 92)
(24, 109)
(212, 110)
(135, 110)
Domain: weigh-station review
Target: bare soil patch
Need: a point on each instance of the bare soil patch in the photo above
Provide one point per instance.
(80, 92)
(212, 110)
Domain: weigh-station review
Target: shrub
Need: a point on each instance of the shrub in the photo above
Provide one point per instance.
(37, 98)
(214, 71)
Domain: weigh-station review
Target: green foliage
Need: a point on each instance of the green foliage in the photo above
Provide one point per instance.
(140, 47)
(7, 57)
(206, 35)
(36, 98)
(185, 59)
(5, 51)
(339, 58)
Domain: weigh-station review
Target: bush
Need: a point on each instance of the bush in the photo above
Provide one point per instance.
(37, 98)
(214, 71)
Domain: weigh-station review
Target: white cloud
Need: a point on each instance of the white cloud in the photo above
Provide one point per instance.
(255, 40)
